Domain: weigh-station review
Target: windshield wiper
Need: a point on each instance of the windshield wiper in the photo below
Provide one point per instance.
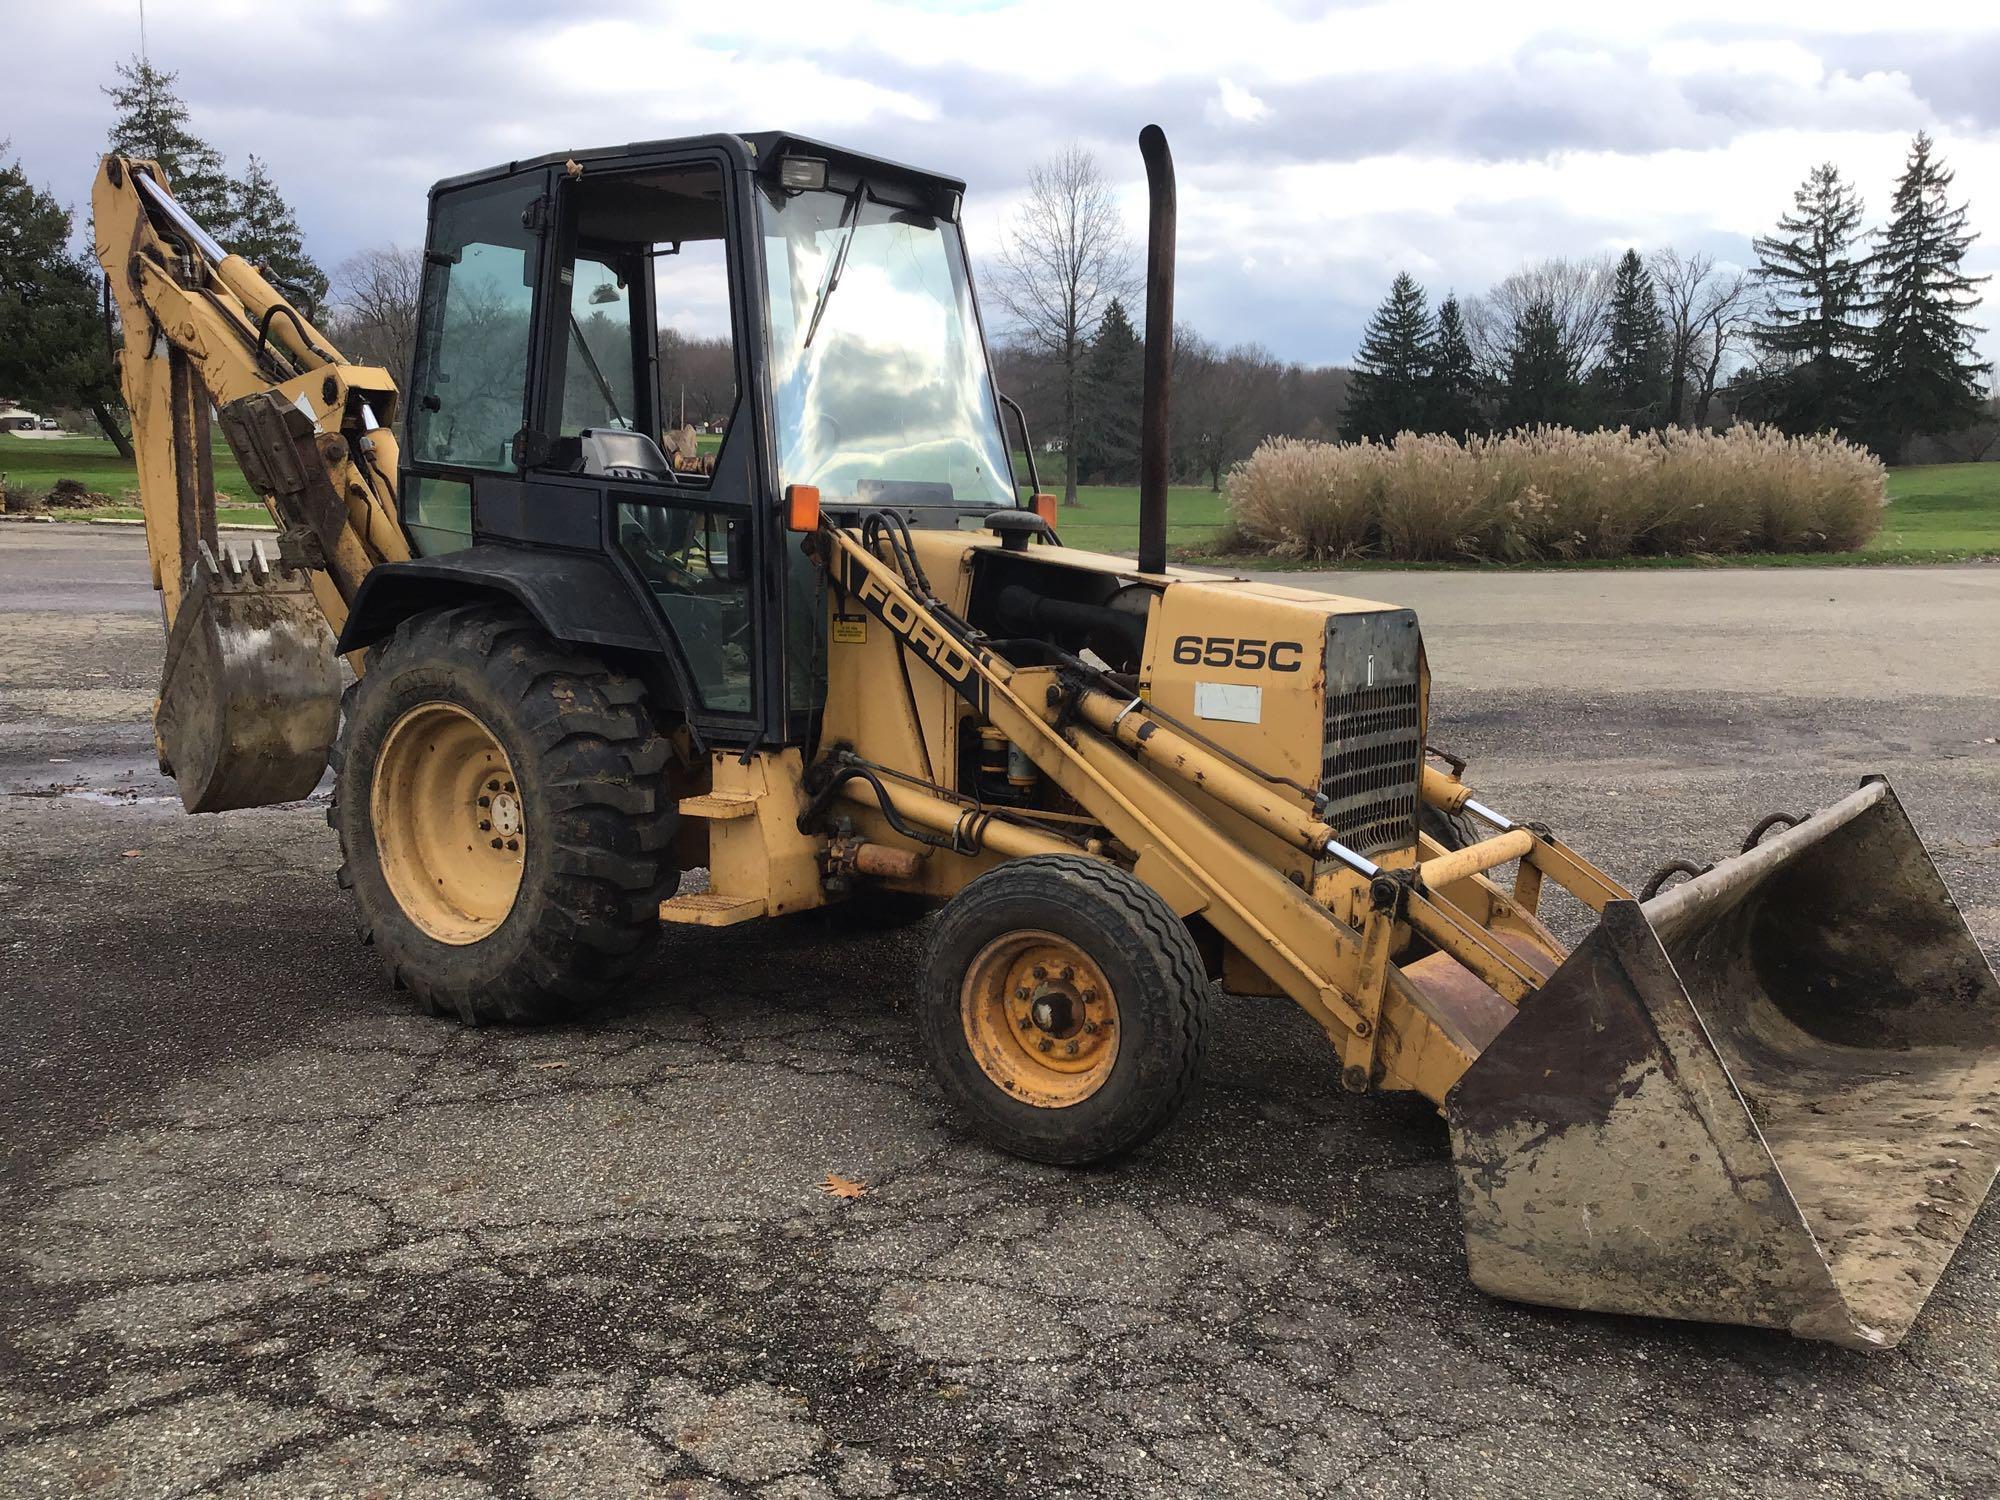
(590, 363)
(850, 217)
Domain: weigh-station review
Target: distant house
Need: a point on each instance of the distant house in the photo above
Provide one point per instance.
(14, 419)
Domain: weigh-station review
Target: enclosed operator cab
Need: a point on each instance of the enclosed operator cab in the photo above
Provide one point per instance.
(582, 312)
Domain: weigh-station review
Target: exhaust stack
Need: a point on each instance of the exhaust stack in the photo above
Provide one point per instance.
(1159, 350)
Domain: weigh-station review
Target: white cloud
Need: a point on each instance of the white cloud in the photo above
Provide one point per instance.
(1234, 102)
(1321, 148)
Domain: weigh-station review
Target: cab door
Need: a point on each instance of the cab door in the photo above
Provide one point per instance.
(643, 431)
(476, 336)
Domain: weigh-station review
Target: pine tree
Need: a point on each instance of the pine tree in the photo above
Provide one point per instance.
(1392, 371)
(1813, 337)
(1921, 374)
(1114, 376)
(1452, 397)
(263, 231)
(1540, 382)
(152, 124)
(1631, 381)
(51, 342)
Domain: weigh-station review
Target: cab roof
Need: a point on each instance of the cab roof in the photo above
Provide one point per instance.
(749, 152)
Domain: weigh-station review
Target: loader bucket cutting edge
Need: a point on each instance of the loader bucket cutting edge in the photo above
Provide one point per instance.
(1770, 1095)
(250, 692)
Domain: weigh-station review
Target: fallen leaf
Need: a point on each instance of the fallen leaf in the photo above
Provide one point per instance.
(837, 1186)
(130, 854)
(549, 1065)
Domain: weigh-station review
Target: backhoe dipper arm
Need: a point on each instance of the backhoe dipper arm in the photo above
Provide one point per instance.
(203, 327)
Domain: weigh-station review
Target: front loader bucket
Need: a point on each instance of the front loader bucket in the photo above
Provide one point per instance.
(1769, 1095)
(250, 694)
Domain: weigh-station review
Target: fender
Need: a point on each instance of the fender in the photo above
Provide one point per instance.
(575, 597)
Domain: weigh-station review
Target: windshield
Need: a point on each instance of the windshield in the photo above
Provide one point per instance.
(878, 374)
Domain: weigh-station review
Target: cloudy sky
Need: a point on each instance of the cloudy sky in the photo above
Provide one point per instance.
(1321, 147)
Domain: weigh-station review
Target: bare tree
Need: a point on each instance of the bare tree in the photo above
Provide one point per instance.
(1065, 260)
(1225, 403)
(697, 379)
(1707, 311)
(375, 307)
(1578, 292)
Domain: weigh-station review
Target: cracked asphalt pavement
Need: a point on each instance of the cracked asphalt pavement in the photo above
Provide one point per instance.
(268, 1233)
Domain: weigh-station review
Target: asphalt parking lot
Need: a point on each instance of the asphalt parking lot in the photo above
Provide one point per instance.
(271, 1234)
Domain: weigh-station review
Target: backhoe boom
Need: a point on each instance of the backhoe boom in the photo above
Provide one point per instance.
(249, 694)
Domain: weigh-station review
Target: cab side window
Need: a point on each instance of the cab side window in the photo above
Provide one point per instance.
(478, 314)
(600, 388)
(697, 358)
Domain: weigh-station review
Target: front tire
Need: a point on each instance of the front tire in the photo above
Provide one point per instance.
(1451, 830)
(505, 818)
(1065, 1008)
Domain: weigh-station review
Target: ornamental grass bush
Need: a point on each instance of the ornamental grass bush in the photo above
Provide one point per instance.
(1545, 493)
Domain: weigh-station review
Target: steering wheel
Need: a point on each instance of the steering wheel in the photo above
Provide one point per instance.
(658, 566)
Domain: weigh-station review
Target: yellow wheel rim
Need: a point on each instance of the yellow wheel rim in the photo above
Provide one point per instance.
(449, 823)
(1040, 1018)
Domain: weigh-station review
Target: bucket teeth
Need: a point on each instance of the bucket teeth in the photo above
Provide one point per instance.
(250, 691)
(232, 571)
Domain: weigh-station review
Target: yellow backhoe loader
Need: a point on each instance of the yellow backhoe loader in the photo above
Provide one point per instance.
(839, 661)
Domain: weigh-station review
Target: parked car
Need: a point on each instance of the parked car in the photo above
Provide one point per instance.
(50, 424)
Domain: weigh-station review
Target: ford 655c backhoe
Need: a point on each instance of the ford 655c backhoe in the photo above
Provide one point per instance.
(842, 662)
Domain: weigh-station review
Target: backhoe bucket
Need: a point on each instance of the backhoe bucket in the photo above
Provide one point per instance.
(1769, 1095)
(250, 694)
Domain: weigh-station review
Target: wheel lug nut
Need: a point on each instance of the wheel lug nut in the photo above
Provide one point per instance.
(1069, 971)
(1090, 997)
(1027, 1023)
(485, 801)
(1020, 992)
(513, 843)
(1041, 972)
(1072, 1049)
(1090, 1026)
(492, 786)
(496, 843)
(484, 826)
(509, 786)
(1045, 1044)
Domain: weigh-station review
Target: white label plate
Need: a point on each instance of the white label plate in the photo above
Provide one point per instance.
(1236, 702)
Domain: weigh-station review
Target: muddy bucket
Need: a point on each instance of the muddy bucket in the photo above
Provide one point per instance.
(1770, 1095)
(250, 693)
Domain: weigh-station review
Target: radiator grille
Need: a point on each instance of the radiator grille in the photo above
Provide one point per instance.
(1372, 757)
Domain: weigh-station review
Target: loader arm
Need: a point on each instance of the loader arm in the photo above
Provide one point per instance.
(249, 697)
(1333, 948)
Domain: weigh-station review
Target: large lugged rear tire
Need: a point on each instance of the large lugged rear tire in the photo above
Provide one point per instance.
(1065, 1008)
(505, 819)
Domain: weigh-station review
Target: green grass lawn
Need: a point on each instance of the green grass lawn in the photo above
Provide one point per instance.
(36, 465)
(1937, 513)
(1108, 518)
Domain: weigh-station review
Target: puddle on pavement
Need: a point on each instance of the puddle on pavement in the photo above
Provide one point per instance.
(100, 799)
(109, 781)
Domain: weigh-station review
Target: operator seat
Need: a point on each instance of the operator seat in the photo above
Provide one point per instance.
(620, 453)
